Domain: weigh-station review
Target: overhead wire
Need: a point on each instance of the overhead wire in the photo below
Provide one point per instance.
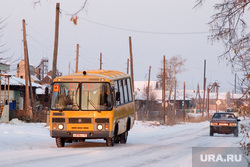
(142, 31)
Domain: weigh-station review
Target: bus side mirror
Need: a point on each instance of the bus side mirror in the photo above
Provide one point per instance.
(117, 96)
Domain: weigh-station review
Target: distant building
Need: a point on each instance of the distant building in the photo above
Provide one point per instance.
(192, 97)
(20, 72)
(47, 79)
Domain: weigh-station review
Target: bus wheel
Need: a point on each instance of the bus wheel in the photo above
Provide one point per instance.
(124, 137)
(117, 139)
(60, 142)
(110, 141)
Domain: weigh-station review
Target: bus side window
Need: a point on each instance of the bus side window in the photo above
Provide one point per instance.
(116, 90)
(121, 91)
(129, 90)
(125, 88)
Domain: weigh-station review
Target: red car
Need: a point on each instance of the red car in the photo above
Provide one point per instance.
(224, 123)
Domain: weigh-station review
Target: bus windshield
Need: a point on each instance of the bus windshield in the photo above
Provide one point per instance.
(65, 96)
(81, 96)
(96, 96)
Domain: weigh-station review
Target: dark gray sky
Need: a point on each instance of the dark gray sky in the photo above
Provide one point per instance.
(157, 28)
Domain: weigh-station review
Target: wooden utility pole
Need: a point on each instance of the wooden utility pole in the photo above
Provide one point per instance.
(184, 107)
(204, 89)
(174, 94)
(164, 89)
(56, 41)
(131, 62)
(77, 56)
(26, 106)
(217, 95)
(101, 61)
(127, 66)
(30, 87)
(235, 83)
(208, 102)
(148, 88)
(198, 92)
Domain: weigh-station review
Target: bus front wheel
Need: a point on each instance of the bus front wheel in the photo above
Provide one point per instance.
(60, 142)
(110, 141)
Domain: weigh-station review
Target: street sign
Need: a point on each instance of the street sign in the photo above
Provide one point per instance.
(218, 102)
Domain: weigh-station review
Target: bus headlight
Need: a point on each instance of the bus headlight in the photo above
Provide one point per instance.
(99, 127)
(60, 126)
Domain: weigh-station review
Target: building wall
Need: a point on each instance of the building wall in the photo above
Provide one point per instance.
(21, 70)
(11, 96)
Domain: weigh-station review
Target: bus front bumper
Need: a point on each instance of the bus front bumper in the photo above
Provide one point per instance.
(81, 134)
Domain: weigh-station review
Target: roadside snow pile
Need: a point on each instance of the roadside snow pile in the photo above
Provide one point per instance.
(16, 121)
(148, 123)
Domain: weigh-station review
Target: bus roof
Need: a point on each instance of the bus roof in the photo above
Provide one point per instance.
(93, 75)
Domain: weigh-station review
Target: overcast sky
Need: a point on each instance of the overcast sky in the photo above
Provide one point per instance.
(157, 28)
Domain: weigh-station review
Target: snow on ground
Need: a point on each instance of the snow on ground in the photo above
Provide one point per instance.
(30, 144)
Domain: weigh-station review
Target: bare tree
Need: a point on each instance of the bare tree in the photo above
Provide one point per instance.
(228, 25)
(174, 66)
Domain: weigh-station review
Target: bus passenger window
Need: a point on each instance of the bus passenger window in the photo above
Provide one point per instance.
(125, 88)
(117, 102)
(121, 91)
(129, 90)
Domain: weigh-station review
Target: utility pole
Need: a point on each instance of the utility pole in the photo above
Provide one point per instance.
(198, 91)
(26, 106)
(174, 94)
(56, 42)
(77, 56)
(204, 89)
(101, 61)
(131, 63)
(235, 83)
(208, 102)
(30, 87)
(148, 92)
(164, 89)
(217, 94)
(184, 94)
(127, 66)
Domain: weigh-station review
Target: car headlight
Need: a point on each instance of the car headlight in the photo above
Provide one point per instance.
(60, 126)
(232, 124)
(213, 124)
(99, 127)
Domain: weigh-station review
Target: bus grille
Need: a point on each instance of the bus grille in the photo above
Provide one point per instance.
(102, 120)
(80, 120)
(58, 120)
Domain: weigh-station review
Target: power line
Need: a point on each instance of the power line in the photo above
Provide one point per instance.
(138, 31)
(145, 32)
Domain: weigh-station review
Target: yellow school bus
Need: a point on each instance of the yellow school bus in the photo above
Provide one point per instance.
(96, 104)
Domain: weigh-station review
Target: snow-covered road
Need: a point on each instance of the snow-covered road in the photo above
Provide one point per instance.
(23, 145)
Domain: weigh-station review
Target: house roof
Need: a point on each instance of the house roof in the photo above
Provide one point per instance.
(140, 90)
(15, 81)
(41, 90)
(34, 78)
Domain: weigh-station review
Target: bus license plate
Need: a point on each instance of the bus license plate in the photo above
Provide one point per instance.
(80, 135)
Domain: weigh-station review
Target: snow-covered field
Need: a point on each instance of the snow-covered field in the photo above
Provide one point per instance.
(30, 144)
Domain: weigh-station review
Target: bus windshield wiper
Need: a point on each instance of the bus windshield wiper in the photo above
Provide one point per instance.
(93, 104)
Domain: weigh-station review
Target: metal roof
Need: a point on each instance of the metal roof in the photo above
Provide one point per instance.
(15, 81)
